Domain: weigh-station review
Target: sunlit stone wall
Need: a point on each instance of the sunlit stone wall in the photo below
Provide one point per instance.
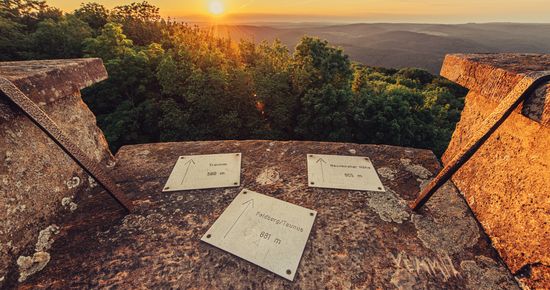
(39, 182)
(507, 182)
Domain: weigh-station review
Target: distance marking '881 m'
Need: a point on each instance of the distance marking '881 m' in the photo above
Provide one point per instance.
(267, 236)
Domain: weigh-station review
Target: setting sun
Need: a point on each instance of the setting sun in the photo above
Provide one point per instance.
(215, 7)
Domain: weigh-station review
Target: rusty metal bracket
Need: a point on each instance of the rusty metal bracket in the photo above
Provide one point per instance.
(519, 93)
(43, 121)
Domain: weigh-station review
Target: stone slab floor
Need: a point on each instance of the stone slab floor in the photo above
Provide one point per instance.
(363, 240)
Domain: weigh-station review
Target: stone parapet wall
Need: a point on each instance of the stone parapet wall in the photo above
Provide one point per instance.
(507, 182)
(495, 75)
(39, 183)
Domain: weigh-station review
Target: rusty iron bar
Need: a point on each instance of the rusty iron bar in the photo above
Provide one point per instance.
(519, 93)
(46, 124)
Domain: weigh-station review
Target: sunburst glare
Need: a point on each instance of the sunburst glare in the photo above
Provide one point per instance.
(216, 7)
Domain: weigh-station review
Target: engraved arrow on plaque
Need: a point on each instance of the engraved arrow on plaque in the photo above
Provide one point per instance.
(248, 203)
(321, 161)
(188, 163)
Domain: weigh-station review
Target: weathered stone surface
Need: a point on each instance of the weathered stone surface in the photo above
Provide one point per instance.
(45, 81)
(359, 239)
(507, 182)
(35, 175)
(495, 75)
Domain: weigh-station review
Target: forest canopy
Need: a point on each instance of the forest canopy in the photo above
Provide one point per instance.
(169, 81)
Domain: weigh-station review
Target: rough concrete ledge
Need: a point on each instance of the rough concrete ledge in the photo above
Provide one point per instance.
(495, 75)
(45, 81)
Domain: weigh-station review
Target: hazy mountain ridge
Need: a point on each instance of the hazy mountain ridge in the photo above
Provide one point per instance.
(404, 45)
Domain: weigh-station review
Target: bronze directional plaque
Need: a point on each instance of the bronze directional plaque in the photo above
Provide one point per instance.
(342, 172)
(205, 171)
(263, 230)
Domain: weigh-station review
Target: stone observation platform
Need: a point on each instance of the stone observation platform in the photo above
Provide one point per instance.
(359, 239)
(62, 230)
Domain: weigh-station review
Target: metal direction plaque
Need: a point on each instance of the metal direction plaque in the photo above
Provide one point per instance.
(266, 231)
(342, 172)
(205, 171)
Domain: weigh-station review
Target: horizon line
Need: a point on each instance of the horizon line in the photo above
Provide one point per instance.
(229, 22)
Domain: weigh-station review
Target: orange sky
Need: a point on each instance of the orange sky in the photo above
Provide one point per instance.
(442, 11)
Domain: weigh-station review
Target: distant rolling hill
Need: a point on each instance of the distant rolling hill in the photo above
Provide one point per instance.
(405, 45)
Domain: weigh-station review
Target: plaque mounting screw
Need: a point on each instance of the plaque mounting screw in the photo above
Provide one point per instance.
(311, 214)
(244, 192)
(312, 183)
(288, 272)
(235, 183)
(208, 236)
(379, 188)
(166, 188)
